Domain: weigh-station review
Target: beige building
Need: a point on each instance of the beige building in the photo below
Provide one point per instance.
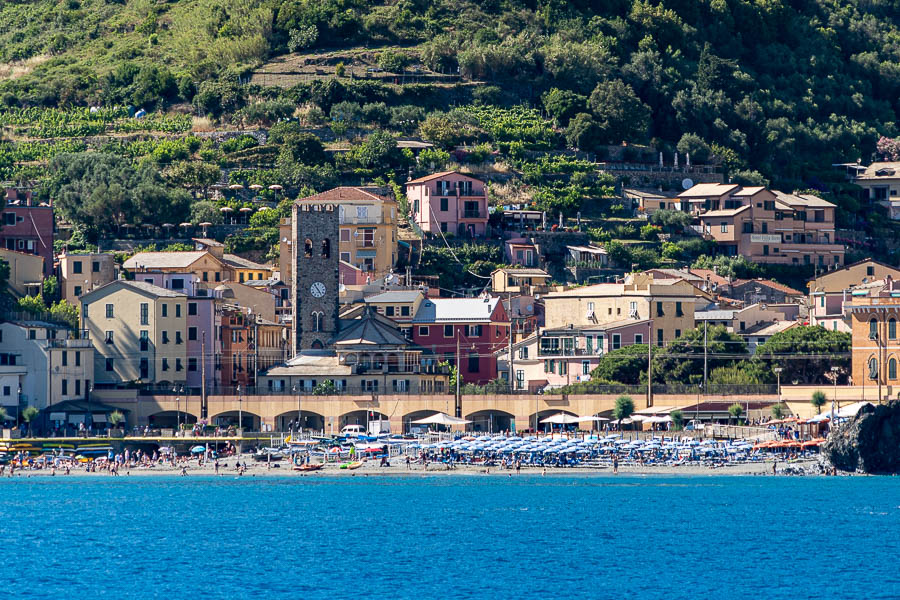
(259, 301)
(880, 183)
(138, 333)
(670, 303)
(829, 292)
(26, 272)
(519, 281)
(368, 227)
(42, 364)
(83, 273)
(876, 346)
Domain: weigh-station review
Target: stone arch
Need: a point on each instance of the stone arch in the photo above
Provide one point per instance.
(307, 248)
(360, 417)
(250, 421)
(490, 421)
(170, 419)
(541, 415)
(326, 248)
(309, 420)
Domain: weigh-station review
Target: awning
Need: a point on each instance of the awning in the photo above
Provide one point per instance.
(365, 254)
(561, 419)
(98, 418)
(76, 418)
(57, 416)
(441, 419)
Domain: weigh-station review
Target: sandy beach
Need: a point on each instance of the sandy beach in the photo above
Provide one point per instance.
(371, 468)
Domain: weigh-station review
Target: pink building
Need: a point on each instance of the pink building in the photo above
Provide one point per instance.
(480, 326)
(448, 202)
(27, 227)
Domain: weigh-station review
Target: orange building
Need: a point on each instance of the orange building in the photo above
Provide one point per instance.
(876, 345)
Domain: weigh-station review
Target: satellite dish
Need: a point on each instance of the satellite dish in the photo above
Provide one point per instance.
(341, 288)
(687, 183)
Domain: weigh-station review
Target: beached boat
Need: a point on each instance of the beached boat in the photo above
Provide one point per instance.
(309, 467)
(352, 465)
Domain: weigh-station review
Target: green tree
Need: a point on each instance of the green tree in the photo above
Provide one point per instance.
(324, 388)
(562, 105)
(623, 409)
(619, 112)
(303, 37)
(206, 211)
(677, 420)
(682, 360)
(441, 131)
(28, 415)
(63, 311)
(693, 145)
(735, 411)
(584, 133)
(5, 296)
(811, 351)
(393, 61)
(116, 418)
(31, 304)
(626, 365)
(50, 287)
(818, 400)
(4, 414)
(778, 411)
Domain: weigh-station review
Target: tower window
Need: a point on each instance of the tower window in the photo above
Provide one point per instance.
(307, 248)
(326, 248)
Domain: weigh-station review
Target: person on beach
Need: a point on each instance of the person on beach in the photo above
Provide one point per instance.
(774, 466)
(408, 464)
(615, 464)
(217, 466)
(183, 471)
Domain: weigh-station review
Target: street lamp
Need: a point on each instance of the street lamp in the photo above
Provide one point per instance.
(178, 390)
(297, 389)
(834, 376)
(778, 371)
(90, 393)
(240, 411)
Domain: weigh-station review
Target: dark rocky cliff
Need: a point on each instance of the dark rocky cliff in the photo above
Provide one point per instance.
(869, 442)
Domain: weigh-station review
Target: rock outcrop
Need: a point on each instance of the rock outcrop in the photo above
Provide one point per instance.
(869, 442)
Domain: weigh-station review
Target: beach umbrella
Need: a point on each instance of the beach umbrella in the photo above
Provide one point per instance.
(235, 186)
(185, 224)
(226, 209)
(198, 449)
(255, 186)
(246, 209)
(275, 187)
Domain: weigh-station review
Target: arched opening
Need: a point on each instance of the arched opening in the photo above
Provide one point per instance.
(317, 345)
(393, 363)
(892, 329)
(873, 329)
(892, 368)
(549, 427)
(326, 248)
(365, 418)
(317, 319)
(408, 419)
(309, 421)
(234, 418)
(490, 421)
(307, 248)
(873, 368)
(378, 361)
(169, 419)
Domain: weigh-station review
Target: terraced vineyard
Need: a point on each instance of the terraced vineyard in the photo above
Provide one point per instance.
(46, 123)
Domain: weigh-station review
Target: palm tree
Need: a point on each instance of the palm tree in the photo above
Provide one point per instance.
(28, 415)
(624, 408)
(4, 415)
(735, 410)
(818, 400)
(677, 419)
(778, 411)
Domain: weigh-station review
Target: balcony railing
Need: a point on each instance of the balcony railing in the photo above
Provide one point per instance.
(368, 220)
(473, 214)
(365, 243)
(463, 193)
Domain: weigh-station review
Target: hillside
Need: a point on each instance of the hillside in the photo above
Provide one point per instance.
(770, 90)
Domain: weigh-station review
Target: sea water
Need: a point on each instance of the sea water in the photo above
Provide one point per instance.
(450, 537)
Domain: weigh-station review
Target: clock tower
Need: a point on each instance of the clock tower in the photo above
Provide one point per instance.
(315, 254)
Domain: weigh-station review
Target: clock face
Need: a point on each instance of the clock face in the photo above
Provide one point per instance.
(317, 289)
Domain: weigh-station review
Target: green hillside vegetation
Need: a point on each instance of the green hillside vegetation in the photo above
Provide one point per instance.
(774, 91)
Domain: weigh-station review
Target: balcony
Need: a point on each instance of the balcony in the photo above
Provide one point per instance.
(461, 193)
(473, 214)
(367, 220)
(71, 344)
(365, 243)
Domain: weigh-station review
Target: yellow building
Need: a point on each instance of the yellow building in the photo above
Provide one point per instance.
(669, 303)
(26, 272)
(368, 227)
(137, 330)
(875, 345)
(83, 273)
(519, 281)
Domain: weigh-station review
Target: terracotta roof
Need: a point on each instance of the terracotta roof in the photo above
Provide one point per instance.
(770, 284)
(438, 176)
(163, 260)
(345, 193)
(708, 189)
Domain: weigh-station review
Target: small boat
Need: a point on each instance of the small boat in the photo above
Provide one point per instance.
(352, 465)
(309, 467)
(268, 454)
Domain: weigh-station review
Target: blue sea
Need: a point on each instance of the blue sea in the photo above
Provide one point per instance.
(450, 537)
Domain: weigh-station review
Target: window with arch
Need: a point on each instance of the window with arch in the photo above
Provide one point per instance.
(892, 329)
(318, 319)
(326, 248)
(307, 248)
(873, 368)
(873, 329)
(892, 368)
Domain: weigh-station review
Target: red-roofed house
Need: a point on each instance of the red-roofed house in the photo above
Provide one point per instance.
(479, 325)
(449, 202)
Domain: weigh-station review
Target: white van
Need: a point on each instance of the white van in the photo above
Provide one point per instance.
(353, 430)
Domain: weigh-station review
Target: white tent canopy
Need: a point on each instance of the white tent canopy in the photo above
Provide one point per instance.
(561, 419)
(441, 419)
(591, 418)
(851, 409)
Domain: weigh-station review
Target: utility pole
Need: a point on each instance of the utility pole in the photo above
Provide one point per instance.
(705, 354)
(255, 349)
(650, 361)
(202, 376)
(458, 375)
